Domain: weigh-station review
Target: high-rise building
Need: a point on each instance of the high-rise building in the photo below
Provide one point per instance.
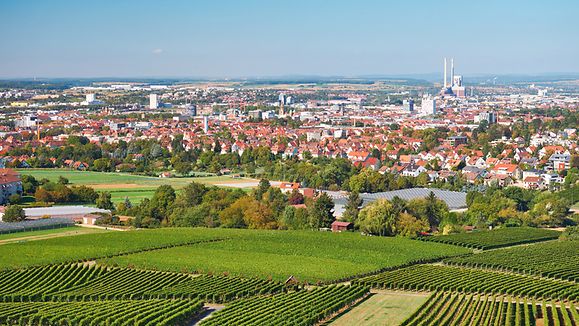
(282, 102)
(428, 105)
(192, 110)
(205, 124)
(91, 100)
(408, 105)
(153, 101)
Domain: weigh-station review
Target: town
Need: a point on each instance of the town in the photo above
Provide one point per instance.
(289, 163)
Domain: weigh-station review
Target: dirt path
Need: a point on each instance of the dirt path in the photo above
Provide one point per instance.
(209, 309)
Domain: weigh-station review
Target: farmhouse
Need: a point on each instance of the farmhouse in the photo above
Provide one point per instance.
(339, 226)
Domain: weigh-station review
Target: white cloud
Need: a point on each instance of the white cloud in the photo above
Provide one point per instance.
(157, 51)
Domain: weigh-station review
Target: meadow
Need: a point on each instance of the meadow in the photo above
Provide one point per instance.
(307, 255)
(124, 185)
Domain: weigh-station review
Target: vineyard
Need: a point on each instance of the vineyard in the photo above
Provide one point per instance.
(556, 259)
(71, 282)
(105, 312)
(312, 257)
(304, 307)
(504, 237)
(443, 278)
(102, 245)
(444, 308)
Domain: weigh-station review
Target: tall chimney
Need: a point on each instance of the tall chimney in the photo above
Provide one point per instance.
(445, 85)
(452, 72)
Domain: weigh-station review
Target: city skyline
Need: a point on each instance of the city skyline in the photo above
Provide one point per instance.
(226, 39)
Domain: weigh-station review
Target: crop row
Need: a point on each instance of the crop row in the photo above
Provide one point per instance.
(504, 237)
(303, 307)
(445, 278)
(46, 279)
(554, 259)
(76, 282)
(444, 308)
(113, 312)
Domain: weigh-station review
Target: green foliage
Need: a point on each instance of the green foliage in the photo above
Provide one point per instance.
(13, 213)
(104, 201)
(352, 208)
(378, 218)
(571, 233)
(15, 199)
(322, 212)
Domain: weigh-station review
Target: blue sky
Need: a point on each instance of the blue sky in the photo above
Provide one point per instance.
(219, 38)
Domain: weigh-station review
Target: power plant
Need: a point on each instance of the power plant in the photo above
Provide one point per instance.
(455, 87)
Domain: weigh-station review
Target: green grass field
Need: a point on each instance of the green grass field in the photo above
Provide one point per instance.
(123, 185)
(308, 255)
(383, 308)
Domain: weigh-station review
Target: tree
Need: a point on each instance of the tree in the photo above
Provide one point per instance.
(83, 194)
(262, 188)
(62, 180)
(322, 212)
(430, 209)
(233, 216)
(296, 197)
(259, 217)
(104, 201)
(191, 195)
(15, 199)
(14, 213)
(410, 226)
(352, 208)
(378, 218)
(42, 195)
(29, 184)
(294, 218)
(161, 201)
(183, 168)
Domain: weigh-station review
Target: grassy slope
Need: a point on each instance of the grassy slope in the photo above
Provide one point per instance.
(387, 308)
(309, 256)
